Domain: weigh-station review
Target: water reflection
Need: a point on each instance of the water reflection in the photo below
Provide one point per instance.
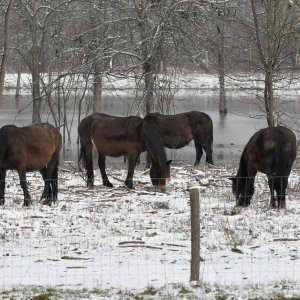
(231, 131)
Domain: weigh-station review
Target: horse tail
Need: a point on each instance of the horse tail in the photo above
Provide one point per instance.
(85, 140)
(281, 155)
(3, 144)
(211, 133)
(82, 157)
(154, 145)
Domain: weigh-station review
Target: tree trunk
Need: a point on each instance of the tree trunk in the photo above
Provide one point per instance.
(36, 94)
(6, 45)
(97, 88)
(149, 85)
(269, 98)
(147, 56)
(18, 86)
(35, 67)
(222, 99)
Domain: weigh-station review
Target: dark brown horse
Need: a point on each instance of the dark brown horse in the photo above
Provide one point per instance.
(271, 151)
(118, 136)
(176, 131)
(30, 148)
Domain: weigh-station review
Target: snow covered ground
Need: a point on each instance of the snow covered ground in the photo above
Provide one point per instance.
(116, 243)
(119, 243)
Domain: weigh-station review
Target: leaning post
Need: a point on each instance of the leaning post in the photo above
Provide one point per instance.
(195, 234)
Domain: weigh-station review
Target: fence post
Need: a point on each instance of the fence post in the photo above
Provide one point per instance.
(195, 234)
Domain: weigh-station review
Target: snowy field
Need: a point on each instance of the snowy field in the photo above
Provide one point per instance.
(135, 244)
(120, 243)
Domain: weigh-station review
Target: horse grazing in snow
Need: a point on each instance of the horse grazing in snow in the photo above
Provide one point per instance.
(176, 131)
(271, 151)
(118, 136)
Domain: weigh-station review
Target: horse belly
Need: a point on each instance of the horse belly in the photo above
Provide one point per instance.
(116, 149)
(37, 163)
(176, 142)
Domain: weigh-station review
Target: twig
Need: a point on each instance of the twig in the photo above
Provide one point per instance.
(144, 172)
(174, 245)
(117, 178)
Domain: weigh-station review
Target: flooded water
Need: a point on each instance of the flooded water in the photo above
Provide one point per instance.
(231, 132)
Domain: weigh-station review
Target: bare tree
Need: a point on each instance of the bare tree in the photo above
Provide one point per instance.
(6, 45)
(36, 19)
(270, 31)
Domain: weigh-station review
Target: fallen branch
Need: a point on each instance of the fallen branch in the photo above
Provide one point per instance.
(286, 240)
(117, 178)
(131, 242)
(74, 258)
(141, 246)
(144, 172)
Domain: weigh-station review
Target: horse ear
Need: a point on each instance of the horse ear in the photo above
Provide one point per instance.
(169, 162)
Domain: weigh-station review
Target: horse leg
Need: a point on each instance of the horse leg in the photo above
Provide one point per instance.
(199, 151)
(280, 188)
(249, 189)
(2, 185)
(23, 183)
(101, 164)
(148, 161)
(208, 151)
(132, 159)
(54, 182)
(89, 166)
(47, 189)
(50, 175)
(271, 187)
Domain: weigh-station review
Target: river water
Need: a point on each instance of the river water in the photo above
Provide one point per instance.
(231, 132)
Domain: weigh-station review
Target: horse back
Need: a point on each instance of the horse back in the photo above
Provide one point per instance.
(178, 130)
(116, 136)
(272, 149)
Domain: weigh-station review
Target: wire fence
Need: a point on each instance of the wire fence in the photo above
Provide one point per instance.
(120, 238)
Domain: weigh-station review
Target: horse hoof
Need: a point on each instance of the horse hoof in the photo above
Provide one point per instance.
(129, 185)
(108, 184)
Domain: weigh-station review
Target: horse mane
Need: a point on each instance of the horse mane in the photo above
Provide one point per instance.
(242, 170)
(3, 139)
(154, 145)
(2, 144)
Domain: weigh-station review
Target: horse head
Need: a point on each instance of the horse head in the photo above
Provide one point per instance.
(160, 173)
(238, 189)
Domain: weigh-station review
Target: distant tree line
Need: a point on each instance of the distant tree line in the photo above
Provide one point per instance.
(62, 42)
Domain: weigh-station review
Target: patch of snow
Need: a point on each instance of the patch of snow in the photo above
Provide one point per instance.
(132, 239)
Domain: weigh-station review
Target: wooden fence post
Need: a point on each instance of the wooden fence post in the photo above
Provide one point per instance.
(195, 234)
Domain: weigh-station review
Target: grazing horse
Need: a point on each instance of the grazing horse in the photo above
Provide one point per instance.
(30, 148)
(271, 151)
(117, 136)
(176, 131)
